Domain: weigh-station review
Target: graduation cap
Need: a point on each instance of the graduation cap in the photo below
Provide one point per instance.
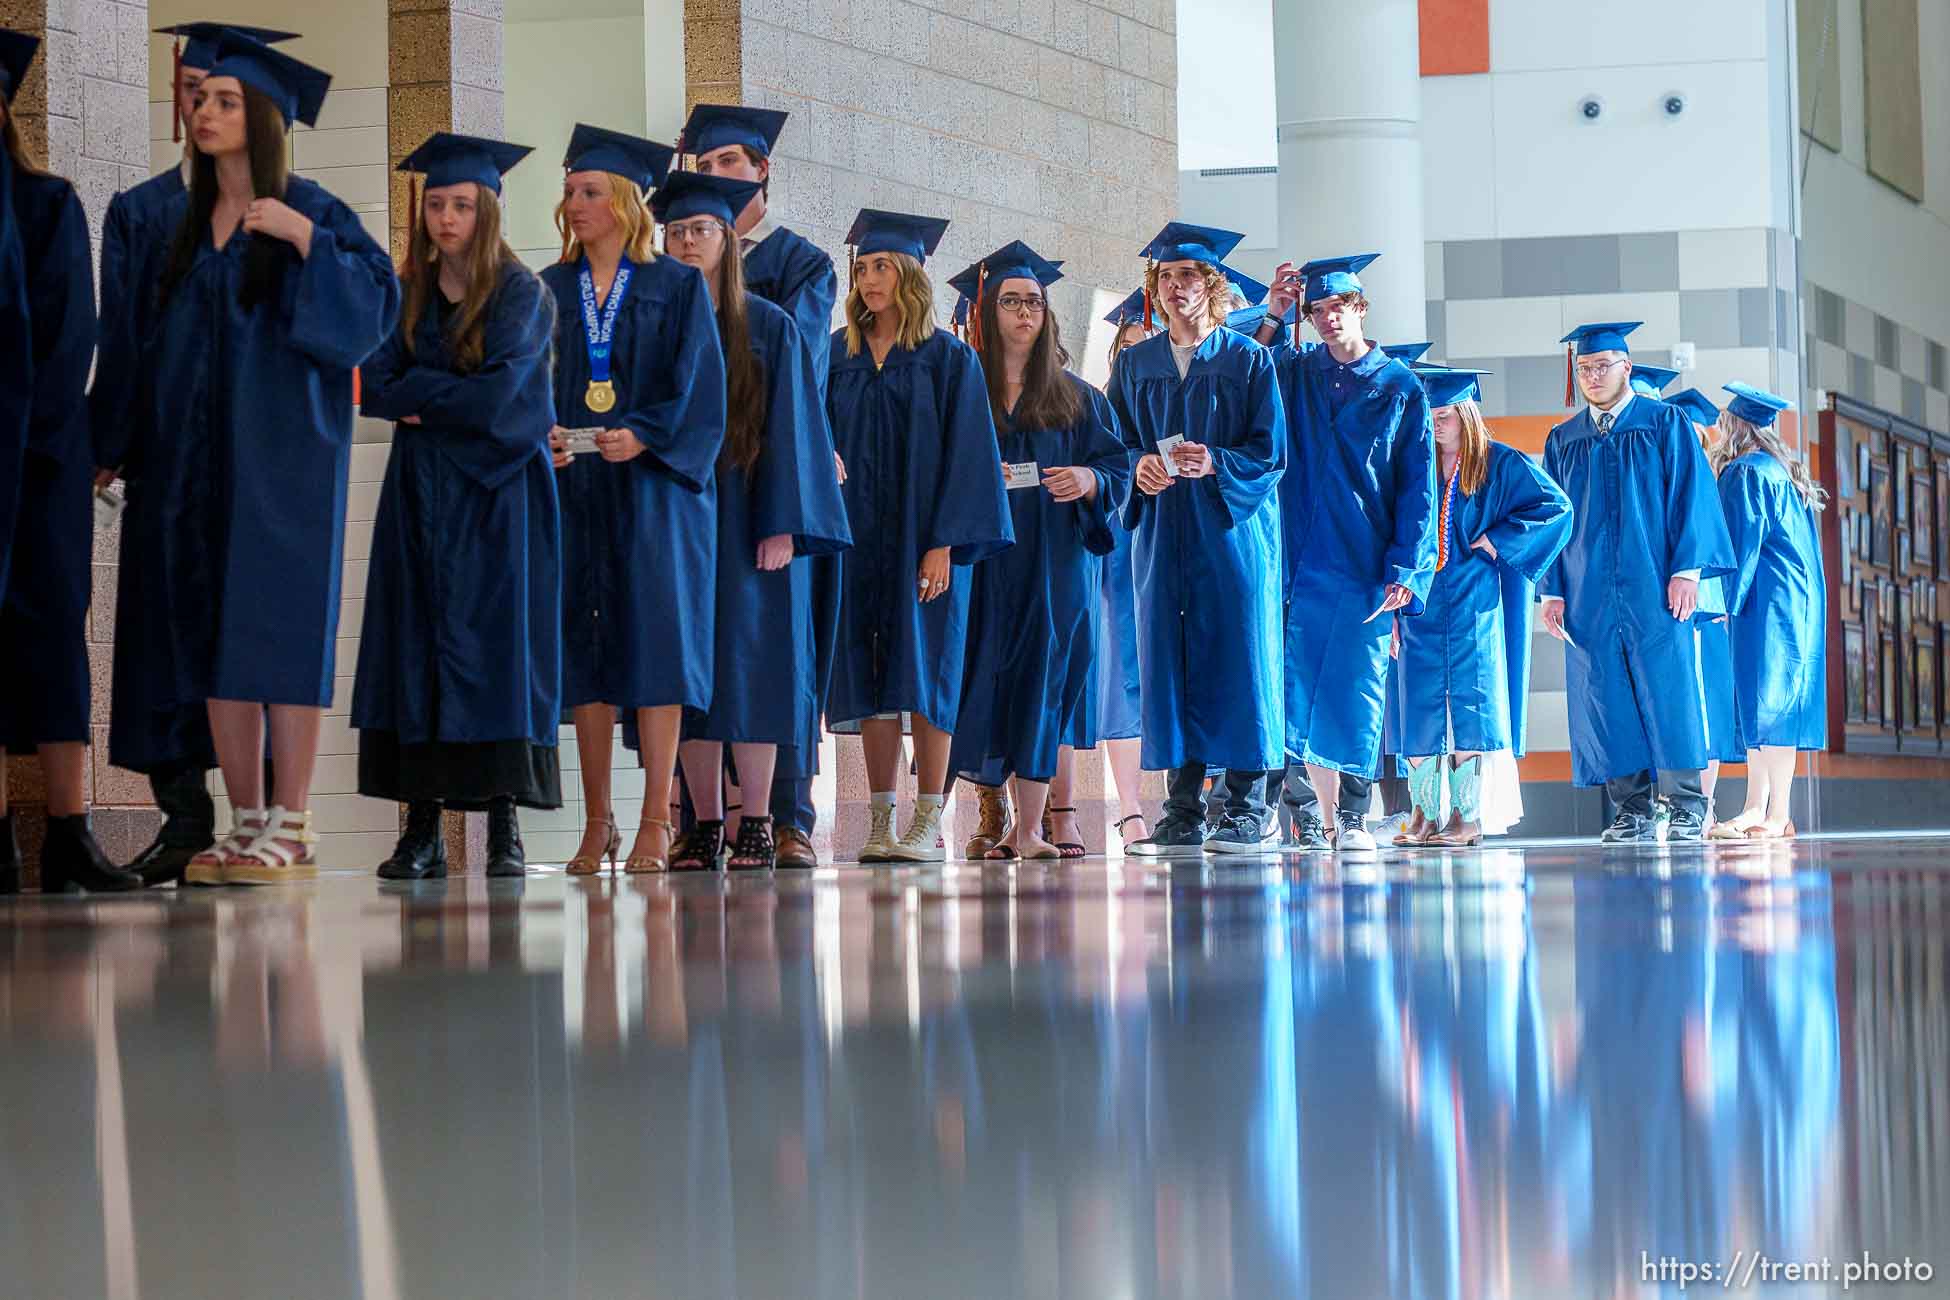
(694, 194)
(1447, 385)
(1180, 241)
(643, 163)
(1652, 381)
(450, 159)
(196, 43)
(1605, 336)
(297, 88)
(1407, 353)
(1756, 406)
(1699, 408)
(1130, 311)
(1015, 260)
(713, 126)
(1247, 320)
(1330, 277)
(1250, 289)
(16, 52)
(875, 231)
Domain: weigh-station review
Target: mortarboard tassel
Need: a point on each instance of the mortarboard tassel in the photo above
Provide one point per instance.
(1570, 376)
(1147, 299)
(176, 92)
(975, 313)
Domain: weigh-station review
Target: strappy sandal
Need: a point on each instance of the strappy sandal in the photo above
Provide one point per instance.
(1064, 848)
(701, 848)
(646, 864)
(1125, 821)
(270, 859)
(1001, 853)
(591, 864)
(754, 850)
(206, 868)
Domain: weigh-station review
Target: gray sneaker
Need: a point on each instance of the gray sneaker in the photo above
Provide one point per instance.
(1629, 828)
(1244, 835)
(1310, 835)
(1174, 838)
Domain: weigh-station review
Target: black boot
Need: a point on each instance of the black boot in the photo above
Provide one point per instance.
(421, 853)
(9, 856)
(189, 825)
(505, 855)
(72, 861)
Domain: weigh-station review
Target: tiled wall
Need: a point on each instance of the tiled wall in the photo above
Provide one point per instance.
(1873, 359)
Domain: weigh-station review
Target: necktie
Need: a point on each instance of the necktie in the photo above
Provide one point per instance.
(1605, 422)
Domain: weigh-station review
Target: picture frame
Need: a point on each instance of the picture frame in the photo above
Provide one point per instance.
(1943, 521)
(1891, 694)
(1861, 464)
(1925, 678)
(1856, 674)
(1902, 551)
(1855, 594)
(1881, 516)
(1870, 600)
(1844, 461)
(1902, 484)
(1872, 675)
(1922, 522)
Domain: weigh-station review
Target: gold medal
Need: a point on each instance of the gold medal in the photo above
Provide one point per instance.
(601, 396)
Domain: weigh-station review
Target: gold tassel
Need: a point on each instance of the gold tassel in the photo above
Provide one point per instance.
(975, 312)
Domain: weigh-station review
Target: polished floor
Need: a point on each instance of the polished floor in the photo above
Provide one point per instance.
(1544, 1072)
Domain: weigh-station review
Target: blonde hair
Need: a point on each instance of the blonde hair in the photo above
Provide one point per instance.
(1218, 291)
(1118, 345)
(1738, 437)
(1473, 458)
(913, 309)
(627, 205)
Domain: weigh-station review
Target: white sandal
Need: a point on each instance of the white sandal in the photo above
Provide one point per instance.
(268, 859)
(207, 867)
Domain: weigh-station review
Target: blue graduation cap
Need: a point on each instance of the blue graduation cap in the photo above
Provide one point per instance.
(1606, 337)
(1756, 406)
(713, 126)
(1330, 277)
(875, 231)
(1130, 311)
(1247, 320)
(694, 194)
(16, 52)
(450, 159)
(1407, 353)
(1015, 260)
(1250, 289)
(1652, 381)
(643, 163)
(1180, 241)
(1699, 408)
(1447, 385)
(297, 88)
(197, 42)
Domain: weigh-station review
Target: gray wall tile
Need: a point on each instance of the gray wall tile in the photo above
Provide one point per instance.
(1828, 318)
(1785, 325)
(1755, 318)
(1472, 268)
(1710, 318)
(1533, 385)
(1913, 401)
(1888, 349)
(1861, 378)
(1438, 331)
(1493, 403)
(1937, 364)
(1648, 262)
(1568, 264)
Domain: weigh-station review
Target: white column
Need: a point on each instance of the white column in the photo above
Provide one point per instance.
(1349, 92)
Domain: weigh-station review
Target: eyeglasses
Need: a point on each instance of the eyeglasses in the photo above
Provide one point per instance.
(1021, 302)
(1592, 372)
(697, 230)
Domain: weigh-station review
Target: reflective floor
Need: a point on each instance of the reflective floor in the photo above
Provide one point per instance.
(1543, 1072)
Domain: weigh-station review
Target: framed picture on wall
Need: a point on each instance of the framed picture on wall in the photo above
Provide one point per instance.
(1844, 461)
(1872, 674)
(1943, 521)
(1855, 594)
(1902, 551)
(1858, 681)
(1902, 486)
(1861, 464)
(1891, 694)
(1925, 710)
(1881, 516)
(1922, 510)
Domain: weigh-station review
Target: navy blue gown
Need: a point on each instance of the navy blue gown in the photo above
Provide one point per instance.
(1032, 618)
(252, 484)
(16, 365)
(458, 695)
(767, 680)
(148, 729)
(44, 618)
(921, 473)
(640, 537)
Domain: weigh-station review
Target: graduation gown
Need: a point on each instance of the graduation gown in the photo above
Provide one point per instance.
(148, 729)
(16, 364)
(1644, 509)
(1460, 687)
(1032, 637)
(458, 693)
(1778, 599)
(921, 473)
(252, 484)
(640, 537)
(1119, 701)
(767, 680)
(1203, 549)
(1716, 690)
(44, 616)
(1359, 513)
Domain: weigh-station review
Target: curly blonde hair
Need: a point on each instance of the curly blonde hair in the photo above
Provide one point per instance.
(1218, 291)
(1738, 437)
(913, 309)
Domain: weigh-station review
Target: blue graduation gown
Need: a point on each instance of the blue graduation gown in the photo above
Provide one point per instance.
(1032, 635)
(253, 482)
(1359, 513)
(640, 537)
(1118, 697)
(1778, 597)
(44, 618)
(1459, 689)
(767, 676)
(1204, 551)
(1644, 509)
(462, 641)
(148, 729)
(921, 473)
(16, 364)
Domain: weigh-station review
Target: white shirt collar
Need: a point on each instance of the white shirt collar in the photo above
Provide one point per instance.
(763, 231)
(1617, 408)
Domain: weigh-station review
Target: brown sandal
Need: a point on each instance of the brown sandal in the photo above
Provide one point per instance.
(581, 865)
(645, 864)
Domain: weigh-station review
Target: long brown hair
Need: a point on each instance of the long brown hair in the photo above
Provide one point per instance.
(419, 277)
(627, 205)
(15, 146)
(1049, 400)
(1738, 437)
(744, 373)
(265, 259)
(1473, 447)
(913, 306)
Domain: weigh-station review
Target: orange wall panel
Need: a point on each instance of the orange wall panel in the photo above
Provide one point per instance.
(1455, 37)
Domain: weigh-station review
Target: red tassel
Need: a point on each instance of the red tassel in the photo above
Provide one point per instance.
(176, 92)
(1571, 376)
(975, 312)
(1147, 301)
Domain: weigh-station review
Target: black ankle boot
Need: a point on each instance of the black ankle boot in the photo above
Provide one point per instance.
(421, 853)
(72, 861)
(9, 857)
(505, 855)
(189, 824)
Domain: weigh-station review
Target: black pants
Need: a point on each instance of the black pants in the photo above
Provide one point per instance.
(1245, 793)
(1633, 794)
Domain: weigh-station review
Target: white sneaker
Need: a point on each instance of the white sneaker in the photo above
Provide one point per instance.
(1389, 827)
(1352, 838)
(922, 841)
(880, 836)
